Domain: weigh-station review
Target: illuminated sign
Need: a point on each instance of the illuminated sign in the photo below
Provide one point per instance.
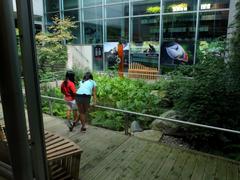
(179, 7)
(205, 6)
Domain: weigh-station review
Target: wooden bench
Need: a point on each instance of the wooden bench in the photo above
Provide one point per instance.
(137, 70)
(63, 156)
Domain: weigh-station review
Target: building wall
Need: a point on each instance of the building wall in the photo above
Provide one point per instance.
(149, 29)
(80, 57)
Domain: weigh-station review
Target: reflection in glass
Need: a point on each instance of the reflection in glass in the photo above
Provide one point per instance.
(70, 4)
(178, 39)
(98, 57)
(92, 33)
(76, 34)
(145, 46)
(213, 25)
(52, 5)
(146, 7)
(117, 29)
(92, 13)
(50, 17)
(145, 28)
(179, 5)
(92, 3)
(117, 10)
(73, 15)
(214, 4)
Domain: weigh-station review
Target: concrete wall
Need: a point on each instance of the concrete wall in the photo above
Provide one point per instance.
(80, 57)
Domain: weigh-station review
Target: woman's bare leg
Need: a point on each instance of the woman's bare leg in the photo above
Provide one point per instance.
(68, 114)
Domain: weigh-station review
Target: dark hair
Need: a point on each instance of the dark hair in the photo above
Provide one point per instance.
(87, 76)
(69, 76)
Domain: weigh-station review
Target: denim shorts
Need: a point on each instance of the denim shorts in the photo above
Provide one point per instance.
(71, 105)
(83, 98)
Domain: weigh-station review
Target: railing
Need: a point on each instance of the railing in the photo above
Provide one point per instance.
(126, 113)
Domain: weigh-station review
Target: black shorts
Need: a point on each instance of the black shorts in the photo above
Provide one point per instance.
(83, 99)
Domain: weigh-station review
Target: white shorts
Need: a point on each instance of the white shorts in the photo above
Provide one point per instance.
(71, 105)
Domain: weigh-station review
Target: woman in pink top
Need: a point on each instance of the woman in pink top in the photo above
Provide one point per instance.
(69, 90)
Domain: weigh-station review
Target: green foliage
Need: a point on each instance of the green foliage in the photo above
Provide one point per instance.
(59, 109)
(107, 119)
(153, 9)
(234, 53)
(51, 49)
(206, 99)
(132, 95)
(122, 93)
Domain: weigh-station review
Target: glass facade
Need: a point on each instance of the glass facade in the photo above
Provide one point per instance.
(155, 33)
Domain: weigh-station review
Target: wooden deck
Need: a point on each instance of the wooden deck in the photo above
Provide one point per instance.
(109, 155)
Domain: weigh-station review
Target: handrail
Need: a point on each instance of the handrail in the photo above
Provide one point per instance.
(155, 117)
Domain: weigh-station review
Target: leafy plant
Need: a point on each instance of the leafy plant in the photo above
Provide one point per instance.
(51, 48)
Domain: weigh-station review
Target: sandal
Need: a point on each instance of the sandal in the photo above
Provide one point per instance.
(83, 129)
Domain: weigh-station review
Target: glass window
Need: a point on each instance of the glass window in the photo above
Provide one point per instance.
(117, 10)
(145, 46)
(72, 15)
(179, 5)
(115, 1)
(145, 28)
(92, 13)
(146, 7)
(52, 5)
(93, 32)
(70, 4)
(178, 39)
(212, 25)
(92, 3)
(214, 4)
(76, 33)
(98, 57)
(117, 29)
(50, 17)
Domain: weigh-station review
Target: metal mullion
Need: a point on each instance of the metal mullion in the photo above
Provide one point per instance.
(122, 17)
(181, 12)
(214, 10)
(146, 15)
(28, 52)
(196, 34)
(104, 31)
(117, 3)
(129, 32)
(12, 97)
(160, 36)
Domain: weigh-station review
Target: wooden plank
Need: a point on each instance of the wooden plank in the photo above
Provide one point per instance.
(199, 168)
(133, 164)
(189, 167)
(221, 170)
(121, 166)
(139, 167)
(57, 144)
(232, 171)
(120, 152)
(168, 164)
(177, 168)
(210, 168)
(162, 154)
